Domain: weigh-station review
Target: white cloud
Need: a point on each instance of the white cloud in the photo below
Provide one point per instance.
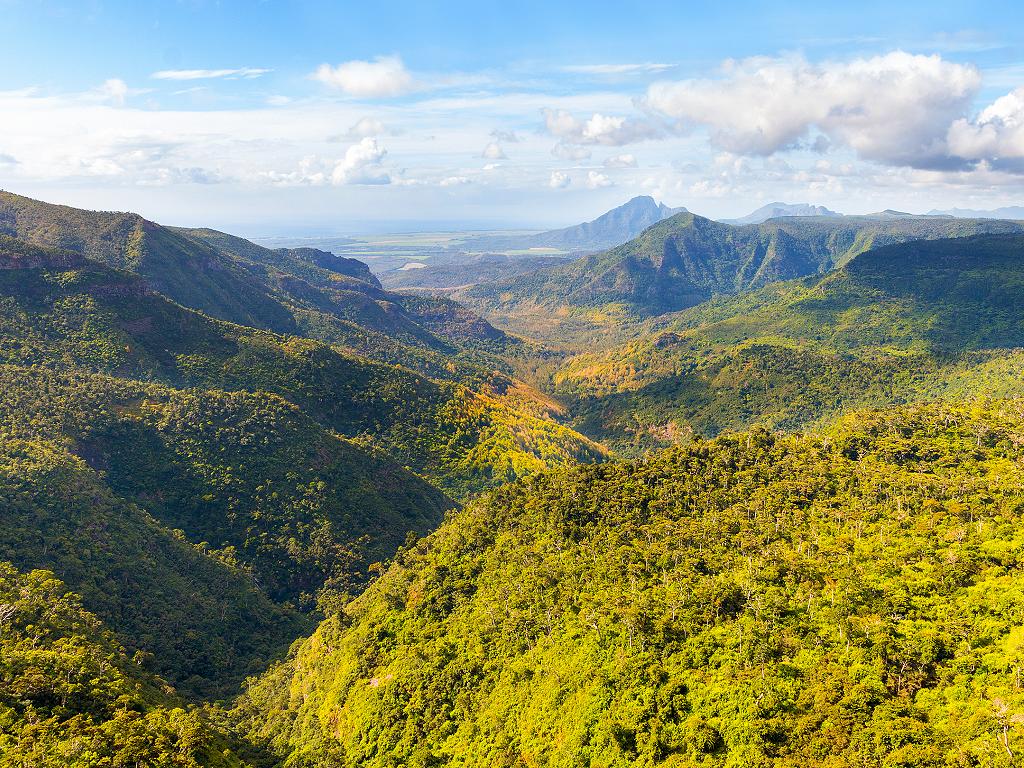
(492, 166)
(208, 74)
(113, 90)
(607, 130)
(573, 152)
(597, 180)
(384, 77)
(894, 108)
(996, 136)
(559, 180)
(616, 69)
(621, 161)
(454, 181)
(366, 127)
(493, 151)
(361, 165)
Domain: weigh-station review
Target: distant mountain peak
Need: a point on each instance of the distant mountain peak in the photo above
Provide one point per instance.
(777, 210)
(612, 228)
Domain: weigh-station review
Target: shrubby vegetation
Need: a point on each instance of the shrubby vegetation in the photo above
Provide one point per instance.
(462, 436)
(208, 487)
(850, 598)
(71, 697)
(896, 325)
(215, 444)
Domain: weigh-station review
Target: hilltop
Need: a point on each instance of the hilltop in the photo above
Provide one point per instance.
(606, 231)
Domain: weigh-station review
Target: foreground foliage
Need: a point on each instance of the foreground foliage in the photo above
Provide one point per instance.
(70, 697)
(852, 598)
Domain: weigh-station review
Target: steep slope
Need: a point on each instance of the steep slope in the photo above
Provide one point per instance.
(896, 324)
(687, 259)
(296, 291)
(72, 697)
(107, 321)
(195, 276)
(198, 481)
(778, 210)
(852, 598)
(606, 231)
(195, 618)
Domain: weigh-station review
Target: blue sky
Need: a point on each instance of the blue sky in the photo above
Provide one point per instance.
(304, 116)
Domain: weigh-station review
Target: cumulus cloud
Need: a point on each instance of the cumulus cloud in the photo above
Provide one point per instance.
(995, 136)
(559, 180)
(454, 181)
(621, 161)
(607, 130)
(384, 77)
(894, 108)
(597, 180)
(361, 165)
(208, 74)
(493, 151)
(164, 176)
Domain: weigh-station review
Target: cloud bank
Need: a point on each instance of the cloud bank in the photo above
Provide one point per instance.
(895, 109)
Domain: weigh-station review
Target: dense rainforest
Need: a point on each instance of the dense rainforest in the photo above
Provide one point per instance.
(847, 598)
(723, 495)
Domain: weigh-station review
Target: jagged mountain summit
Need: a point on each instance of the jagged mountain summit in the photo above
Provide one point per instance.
(606, 231)
(777, 210)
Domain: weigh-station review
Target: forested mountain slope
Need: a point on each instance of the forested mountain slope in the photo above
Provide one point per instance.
(195, 617)
(687, 259)
(295, 291)
(925, 319)
(847, 598)
(72, 697)
(205, 486)
(103, 320)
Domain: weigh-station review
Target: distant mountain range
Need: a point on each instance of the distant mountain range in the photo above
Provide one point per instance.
(904, 322)
(606, 231)
(1009, 212)
(776, 210)
(687, 259)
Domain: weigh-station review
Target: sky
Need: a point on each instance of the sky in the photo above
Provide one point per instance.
(285, 118)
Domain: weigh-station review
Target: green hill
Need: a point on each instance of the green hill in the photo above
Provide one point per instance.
(72, 697)
(685, 260)
(848, 598)
(906, 322)
(204, 485)
(293, 291)
(107, 321)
